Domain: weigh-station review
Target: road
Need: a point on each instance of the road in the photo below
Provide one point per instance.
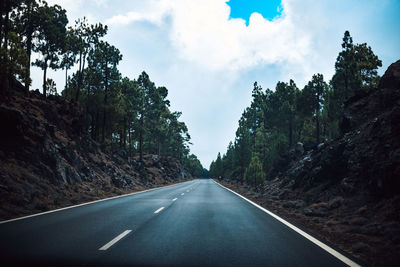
(196, 223)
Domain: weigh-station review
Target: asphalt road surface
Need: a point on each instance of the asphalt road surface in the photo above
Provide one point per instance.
(196, 223)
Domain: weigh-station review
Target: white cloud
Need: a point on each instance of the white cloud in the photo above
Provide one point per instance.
(155, 14)
(70, 5)
(203, 34)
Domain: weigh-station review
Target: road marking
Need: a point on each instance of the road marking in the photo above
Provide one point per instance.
(187, 191)
(175, 199)
(115, 240)
(88, 203)
(182, 194)
(160, 209)
(325, 247)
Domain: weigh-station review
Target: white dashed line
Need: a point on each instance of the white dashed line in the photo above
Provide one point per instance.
(160, 209)
(115, 240)
(86, 203)
(175, 199)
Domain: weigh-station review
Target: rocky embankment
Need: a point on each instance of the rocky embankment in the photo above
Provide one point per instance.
(47, 162)
(347, 191)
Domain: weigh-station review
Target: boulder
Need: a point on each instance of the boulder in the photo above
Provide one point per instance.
(318, 209)
(320, 146)
(295, 204)
(72, 175)
(309, 145)
(299, 148)
(335, 202)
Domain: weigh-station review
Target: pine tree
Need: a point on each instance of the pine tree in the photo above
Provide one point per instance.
(13, 58)
(218, 167)
(254, 172)
(52, 31)
(367, 65)
(314, 94)
(86, 38)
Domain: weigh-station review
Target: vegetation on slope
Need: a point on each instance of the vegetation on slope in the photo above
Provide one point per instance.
(276, 120)
(120, 113)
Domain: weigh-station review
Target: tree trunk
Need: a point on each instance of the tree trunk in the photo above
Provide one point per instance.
(66, 77)
(4, 74)
(120, 139)
(44, 78)
(92, 132)
(2, 11)
(346, 86)
(317, 111)
(124, 134)
(78, 89)
(104, 108)
(130, 142)
(103, 131)
(81, 77)
(97, 125)
(317, 129)
(87, 107)
(141, 139)
(290, 131)
(29, 46)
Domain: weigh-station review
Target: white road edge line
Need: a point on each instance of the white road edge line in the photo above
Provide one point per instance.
(115, 240)
(160, 209)
(88, 203)
(175, 199)
(325, 247)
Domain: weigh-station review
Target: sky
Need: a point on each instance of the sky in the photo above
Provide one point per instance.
(208, 53)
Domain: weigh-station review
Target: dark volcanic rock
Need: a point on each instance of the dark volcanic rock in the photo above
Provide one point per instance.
(12, 133)
(45, 157)
(391, 79)
(367, 156)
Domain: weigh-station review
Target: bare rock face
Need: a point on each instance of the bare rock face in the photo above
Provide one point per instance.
(367, 156)
(391, 79)
(365, 106)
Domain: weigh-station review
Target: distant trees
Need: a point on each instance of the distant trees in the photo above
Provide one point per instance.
(275, 120)
(194, 166)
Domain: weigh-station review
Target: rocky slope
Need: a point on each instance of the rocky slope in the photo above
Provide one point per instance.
(347, 191)
(47, 162)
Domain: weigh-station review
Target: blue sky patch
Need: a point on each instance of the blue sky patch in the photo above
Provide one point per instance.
(269, 9)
